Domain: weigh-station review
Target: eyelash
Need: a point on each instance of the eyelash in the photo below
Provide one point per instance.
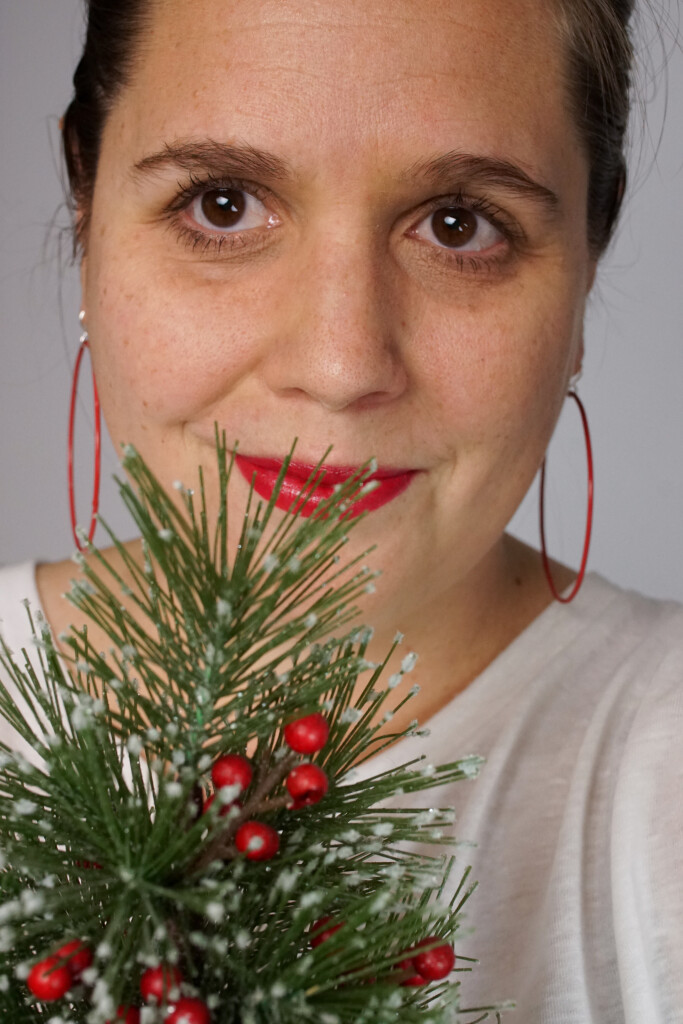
(195, 238)
(472, 262)
(212, 244)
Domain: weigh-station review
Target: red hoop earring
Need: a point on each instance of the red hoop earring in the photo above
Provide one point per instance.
(589, 514)
(98, 448)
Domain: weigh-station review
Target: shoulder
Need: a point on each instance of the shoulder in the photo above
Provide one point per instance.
(643, 658)
(583, 698)
(640, 722)
(626, 663)
(645, 822)
(605, 606)
(625, 642)
(643, 648)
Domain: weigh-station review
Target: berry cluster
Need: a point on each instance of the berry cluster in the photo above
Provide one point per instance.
(433, 964)
(162, 984)
(419, 966)
(51, 978)
(233, 774)
(240, 796)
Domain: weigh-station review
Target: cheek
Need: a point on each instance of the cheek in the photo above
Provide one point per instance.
(497, 375)
(166, 345)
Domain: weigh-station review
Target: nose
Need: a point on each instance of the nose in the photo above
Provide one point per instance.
(338, 338)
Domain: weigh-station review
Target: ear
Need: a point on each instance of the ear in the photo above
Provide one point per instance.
(577, 365)
(83, 274)
(80, 230)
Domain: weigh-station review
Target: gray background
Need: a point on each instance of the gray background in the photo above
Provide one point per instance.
(633, 377)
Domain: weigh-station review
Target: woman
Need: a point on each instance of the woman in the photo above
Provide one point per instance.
(376, 226)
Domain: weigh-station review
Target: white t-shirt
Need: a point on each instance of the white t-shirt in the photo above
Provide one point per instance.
(577, 816)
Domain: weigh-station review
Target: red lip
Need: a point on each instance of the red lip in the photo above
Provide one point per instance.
(264, 473)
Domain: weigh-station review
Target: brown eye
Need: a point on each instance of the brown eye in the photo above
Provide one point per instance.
(223, 208)
(229, 211)
(459, 228)
(454, 226)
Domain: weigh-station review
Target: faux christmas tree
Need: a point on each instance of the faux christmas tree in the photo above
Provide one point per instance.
(192, 841)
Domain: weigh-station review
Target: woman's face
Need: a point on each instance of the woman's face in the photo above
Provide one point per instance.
(356, 222)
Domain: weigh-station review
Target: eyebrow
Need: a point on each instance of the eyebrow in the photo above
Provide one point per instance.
(487, 172)
(217, 158)
(221, 159)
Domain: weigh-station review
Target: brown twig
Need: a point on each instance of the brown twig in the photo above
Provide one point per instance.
(222, 847)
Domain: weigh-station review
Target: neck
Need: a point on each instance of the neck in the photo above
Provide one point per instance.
(463, 630)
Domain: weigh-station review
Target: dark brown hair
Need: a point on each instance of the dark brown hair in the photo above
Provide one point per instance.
(113, 36)
(595, 33)
(599, 68)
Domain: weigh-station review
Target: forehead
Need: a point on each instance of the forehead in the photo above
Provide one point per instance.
(354, 76)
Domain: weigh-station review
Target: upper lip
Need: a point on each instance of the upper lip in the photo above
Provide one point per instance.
(333, 474)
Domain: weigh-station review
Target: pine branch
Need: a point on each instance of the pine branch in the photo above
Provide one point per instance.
(106, 836)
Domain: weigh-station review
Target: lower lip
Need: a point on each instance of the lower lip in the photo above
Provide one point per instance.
(264, 474)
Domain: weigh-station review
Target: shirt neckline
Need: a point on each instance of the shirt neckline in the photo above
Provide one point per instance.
(497, 686)
(554, 628)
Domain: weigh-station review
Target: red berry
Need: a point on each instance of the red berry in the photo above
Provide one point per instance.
(189, 1011)
(436, 963)
(157, 982)
(257, 841)
(232, 770)
(410, 979)
(48, 980)
(78, 954)
(322, 930)
(307, 784)
(306, 735)
(128, 1014)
